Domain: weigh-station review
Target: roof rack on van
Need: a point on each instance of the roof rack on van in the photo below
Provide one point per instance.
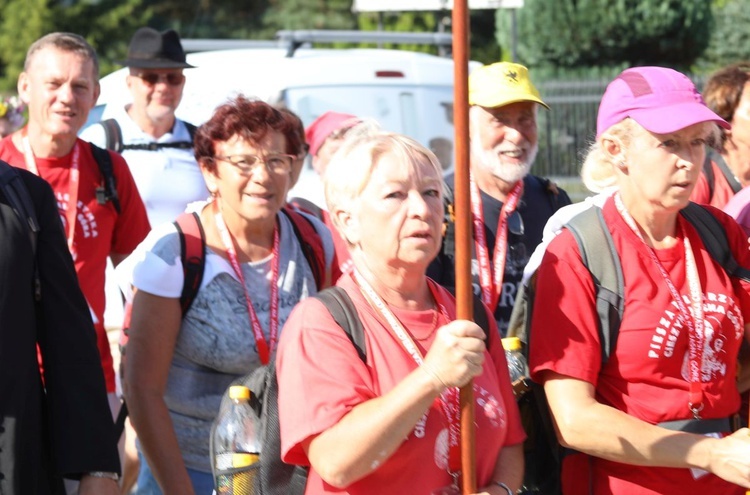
(298, 38)
(292, 40)
(191, 45)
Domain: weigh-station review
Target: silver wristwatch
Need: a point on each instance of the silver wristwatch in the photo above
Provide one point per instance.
(104, 474)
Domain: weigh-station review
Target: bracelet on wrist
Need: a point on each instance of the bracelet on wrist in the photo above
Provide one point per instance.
(104, 474)
(504, 486)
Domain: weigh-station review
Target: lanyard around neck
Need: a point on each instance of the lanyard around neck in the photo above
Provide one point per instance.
(693, 321)
(492, 282)
(264, 348)
(73, 180)
(449, 399)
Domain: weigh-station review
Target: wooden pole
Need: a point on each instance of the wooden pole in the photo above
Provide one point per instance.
(463, 237)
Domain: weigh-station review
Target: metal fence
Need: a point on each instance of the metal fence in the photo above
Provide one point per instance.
(567, 130)
(569, 127)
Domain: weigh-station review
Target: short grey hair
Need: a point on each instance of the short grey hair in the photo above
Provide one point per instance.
(67, 42)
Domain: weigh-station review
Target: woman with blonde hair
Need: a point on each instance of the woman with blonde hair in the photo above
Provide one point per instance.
(653, 418)
(389, 423)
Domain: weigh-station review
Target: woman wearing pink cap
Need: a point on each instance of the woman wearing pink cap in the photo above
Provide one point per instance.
(653, 418)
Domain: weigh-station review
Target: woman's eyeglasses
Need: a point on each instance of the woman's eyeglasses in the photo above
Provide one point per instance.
(276, 163)
(152, 78)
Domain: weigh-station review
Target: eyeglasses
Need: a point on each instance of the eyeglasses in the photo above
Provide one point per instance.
(152, 78)
(276, 163)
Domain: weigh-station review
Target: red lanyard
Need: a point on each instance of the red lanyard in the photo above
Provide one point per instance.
(73, 180)
(449, 399)
(492, 283)
(264, 350)
(693, 321)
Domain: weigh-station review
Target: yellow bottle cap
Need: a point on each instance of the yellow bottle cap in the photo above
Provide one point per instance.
(239, 392)
(243, 459)
(512, 344)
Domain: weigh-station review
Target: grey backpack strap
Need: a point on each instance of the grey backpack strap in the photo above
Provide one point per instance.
(603, 262)
(112, 135)
(341, 307)
(714, 238)
(716, 157)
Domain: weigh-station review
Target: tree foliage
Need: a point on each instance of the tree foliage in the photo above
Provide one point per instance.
(730, 39)
(15, 37)
(575, 33)
(106, 24)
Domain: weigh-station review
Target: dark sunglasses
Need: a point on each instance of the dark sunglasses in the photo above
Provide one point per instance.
(152, 78)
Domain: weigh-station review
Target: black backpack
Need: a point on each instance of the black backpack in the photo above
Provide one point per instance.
(543, 453)
(274, 476)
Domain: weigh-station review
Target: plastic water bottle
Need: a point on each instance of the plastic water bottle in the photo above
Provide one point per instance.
(517, 366)
(237, 445)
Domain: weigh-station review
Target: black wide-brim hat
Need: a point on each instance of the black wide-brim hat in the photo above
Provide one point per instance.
(150, 49)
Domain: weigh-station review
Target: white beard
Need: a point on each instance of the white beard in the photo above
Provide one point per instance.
(492, 159)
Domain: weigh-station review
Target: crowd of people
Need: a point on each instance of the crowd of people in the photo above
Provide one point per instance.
(653, 416)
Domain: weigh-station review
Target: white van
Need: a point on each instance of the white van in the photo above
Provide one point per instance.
(406, 92)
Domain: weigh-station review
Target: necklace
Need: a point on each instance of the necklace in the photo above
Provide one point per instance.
(432, 327)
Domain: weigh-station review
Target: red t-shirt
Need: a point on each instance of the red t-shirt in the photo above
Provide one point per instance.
(99, 230)
(321, 378)
(647, 375)
(723, 192)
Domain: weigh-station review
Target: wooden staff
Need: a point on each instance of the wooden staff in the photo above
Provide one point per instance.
(463, 235)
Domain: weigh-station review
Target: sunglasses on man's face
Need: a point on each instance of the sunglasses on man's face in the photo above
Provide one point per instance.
(152, 78)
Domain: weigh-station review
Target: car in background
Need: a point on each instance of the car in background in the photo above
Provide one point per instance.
(404, 91)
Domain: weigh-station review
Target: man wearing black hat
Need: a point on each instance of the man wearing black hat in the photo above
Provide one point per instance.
(156, 145)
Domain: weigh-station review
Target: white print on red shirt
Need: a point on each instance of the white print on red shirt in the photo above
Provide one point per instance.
(85, 218)
(486, 404)
(716, 308)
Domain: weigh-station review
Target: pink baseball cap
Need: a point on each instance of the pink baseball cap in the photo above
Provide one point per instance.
(661, 100)
(325, 125)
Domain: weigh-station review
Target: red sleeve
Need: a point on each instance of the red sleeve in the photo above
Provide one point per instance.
(564, 324)
(132, 224)
(317, 367)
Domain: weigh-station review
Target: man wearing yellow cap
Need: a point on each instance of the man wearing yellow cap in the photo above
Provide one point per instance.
(509, 206)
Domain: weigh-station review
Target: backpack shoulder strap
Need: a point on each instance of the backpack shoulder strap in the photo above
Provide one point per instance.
(603, 262)
(107, 192)
(311, 244)
(193, 254)
(112, 134)
(341, 307)
(191, 130)
(725, 171)
(550, 188)
(708, 171)
(714, 237)
(307, 206)
(480, 316)
(19, 199)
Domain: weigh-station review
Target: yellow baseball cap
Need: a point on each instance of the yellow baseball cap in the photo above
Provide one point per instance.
(501, 84)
